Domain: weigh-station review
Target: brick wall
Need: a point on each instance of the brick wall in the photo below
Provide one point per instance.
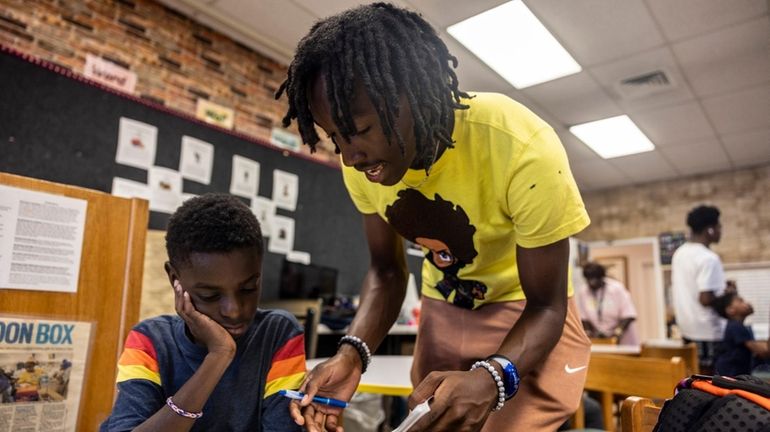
(176, 59)
(743, 197)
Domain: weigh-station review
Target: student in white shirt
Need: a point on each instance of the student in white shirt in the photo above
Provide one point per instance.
(697, 278)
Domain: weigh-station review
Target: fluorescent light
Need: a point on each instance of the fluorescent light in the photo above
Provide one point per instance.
(515, 44)
(613, 137)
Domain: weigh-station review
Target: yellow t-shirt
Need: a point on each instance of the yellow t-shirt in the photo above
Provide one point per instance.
(507, 181)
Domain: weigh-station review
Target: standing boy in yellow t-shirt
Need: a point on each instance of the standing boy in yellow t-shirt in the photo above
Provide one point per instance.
(484, 186)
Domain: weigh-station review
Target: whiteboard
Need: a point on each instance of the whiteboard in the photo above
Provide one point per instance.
(753, 281)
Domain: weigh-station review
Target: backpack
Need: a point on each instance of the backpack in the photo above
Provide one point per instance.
(717, 404)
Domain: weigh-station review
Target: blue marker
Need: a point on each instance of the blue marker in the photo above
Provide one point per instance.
(292, 394)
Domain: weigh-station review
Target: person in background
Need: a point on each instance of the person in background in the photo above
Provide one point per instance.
(219, 363)
(738, 349)
(697, 278)
(61, 378)
(31, 374)
(484, 187)
(6, 387)
(606, 308)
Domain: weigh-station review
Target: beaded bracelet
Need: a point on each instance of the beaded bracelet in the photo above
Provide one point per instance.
(498, 381)
(511, 377)
(361, 347)
(181, 412)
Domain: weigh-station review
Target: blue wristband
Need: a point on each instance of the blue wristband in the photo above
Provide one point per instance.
(511, 378)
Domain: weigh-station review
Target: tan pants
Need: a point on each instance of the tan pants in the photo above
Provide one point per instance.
(452, 338)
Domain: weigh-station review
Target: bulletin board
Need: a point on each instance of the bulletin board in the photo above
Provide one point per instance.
(57, 127)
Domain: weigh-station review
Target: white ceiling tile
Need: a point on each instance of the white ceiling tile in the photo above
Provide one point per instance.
(684, 18)
(740, 111)
(597, 31)
(577, 151)
(472, 73)
(673, 124)
(443, 13)
(730, 59)
(698, 157)
(609, 76)
(288, 23)
(574, 99)
(598, 174)
(644, 167)
(750, 148)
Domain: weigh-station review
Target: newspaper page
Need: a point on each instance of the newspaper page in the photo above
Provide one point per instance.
(42, 366)
(41, 240)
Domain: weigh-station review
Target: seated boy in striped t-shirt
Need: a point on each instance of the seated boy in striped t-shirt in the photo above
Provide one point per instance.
(219, 364)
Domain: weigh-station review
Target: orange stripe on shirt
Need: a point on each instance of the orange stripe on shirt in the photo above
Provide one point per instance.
(135, 357)
(293, 347)
(141, 342)
(286, 367)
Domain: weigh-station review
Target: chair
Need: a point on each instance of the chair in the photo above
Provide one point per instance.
(638, 414)
(689, 353)
(626, 375)
(308, 313)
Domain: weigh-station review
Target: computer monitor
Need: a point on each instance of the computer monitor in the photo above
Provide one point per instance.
(307, 281)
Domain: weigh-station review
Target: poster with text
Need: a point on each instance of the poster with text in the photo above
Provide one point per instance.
(285, 189)
(197, 160)
(42, 365)
(282, 235)
(244, 180)
(137, 143)
(41, 240)
(165, 189)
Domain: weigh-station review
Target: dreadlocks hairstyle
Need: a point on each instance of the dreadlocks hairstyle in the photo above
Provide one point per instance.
(211, 223)
(702, 217)
(392, 51)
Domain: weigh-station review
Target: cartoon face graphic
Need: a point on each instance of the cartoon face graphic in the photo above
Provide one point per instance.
(445, 230)
(442, 256)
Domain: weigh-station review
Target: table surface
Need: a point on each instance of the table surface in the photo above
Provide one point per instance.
(387, 375)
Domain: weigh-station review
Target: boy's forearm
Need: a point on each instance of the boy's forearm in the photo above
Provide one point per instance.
(191, 397)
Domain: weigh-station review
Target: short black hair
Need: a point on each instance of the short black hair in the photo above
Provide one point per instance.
(392, 51)
(213, 222)
(721, 303)
(594, 270)
(702, 217)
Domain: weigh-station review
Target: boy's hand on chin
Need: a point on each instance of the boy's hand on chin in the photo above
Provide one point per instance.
(205, 330)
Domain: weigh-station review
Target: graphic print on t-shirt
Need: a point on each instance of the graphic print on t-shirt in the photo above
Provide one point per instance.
(446, 231)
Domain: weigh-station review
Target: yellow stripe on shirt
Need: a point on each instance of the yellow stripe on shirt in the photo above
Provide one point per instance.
(129, 372)
(291, 382)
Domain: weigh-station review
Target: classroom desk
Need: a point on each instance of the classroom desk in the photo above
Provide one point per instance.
(387, 375)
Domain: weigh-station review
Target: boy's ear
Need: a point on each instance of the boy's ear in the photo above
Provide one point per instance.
(171, 272)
